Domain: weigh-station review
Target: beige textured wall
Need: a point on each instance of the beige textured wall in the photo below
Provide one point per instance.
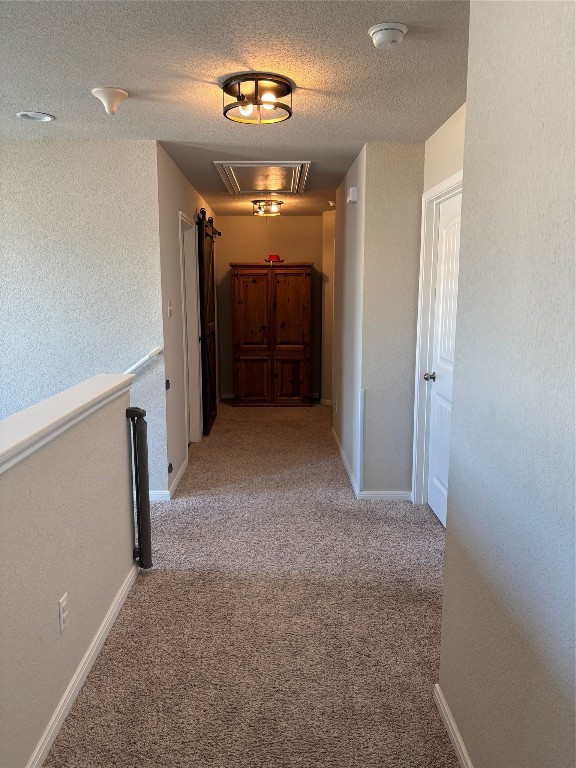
(444, 150)
(66, 526)
(328, 253)
(394, 175)
(175, 194)
(507, 658)
(80, 277)
(249, 238)
(375, 310)
(348, 298)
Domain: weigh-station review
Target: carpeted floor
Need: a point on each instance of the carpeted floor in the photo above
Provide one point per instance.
(285, 625)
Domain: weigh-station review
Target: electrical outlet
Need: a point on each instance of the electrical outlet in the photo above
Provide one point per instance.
(63, 611)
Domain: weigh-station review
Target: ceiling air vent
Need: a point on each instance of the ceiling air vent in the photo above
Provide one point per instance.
(253, 177)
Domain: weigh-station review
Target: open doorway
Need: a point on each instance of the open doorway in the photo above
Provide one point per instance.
(191, 328)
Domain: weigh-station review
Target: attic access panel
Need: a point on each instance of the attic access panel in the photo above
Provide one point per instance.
(249, 177)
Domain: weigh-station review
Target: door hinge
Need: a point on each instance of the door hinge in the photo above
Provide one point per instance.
(170, 469)
(167, 384)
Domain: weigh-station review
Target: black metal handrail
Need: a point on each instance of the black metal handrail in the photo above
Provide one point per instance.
(143, 547)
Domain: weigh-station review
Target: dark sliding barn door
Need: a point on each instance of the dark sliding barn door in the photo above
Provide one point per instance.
(206, 235)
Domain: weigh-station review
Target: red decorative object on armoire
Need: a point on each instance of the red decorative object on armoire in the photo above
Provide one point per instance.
(271, 320)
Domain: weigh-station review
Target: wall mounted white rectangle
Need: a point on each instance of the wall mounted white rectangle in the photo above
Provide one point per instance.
(352, 195)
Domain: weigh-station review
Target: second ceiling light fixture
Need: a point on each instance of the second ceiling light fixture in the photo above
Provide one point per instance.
(266, 207)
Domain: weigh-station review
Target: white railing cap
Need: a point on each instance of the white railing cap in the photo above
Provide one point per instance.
(26, 431)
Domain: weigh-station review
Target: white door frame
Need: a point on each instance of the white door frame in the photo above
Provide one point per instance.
(186, 223)
(431, 201)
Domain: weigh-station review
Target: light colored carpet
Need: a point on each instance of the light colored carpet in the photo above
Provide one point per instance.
(286, 624)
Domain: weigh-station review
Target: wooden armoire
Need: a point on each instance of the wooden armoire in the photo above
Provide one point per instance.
(271, 321)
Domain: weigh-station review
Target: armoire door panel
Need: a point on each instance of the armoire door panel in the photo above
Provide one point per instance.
(253, 379)
(251, 311)
(271, 333)
(291, 380)
(291, 299)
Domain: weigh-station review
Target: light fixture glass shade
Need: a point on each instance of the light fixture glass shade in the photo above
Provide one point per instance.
(266, 207)
(257, 98)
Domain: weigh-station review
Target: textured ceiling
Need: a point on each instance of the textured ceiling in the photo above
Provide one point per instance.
(171, 56)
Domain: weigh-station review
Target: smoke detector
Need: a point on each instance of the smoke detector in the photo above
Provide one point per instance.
(387, 35)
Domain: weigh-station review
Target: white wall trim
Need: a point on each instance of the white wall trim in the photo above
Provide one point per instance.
(193, 420)
(177, 477)
(373, 495)
(443, 187)
(159, 496)
(386, 495)
(326, 402)
(431, 201)
(347, 466)
(43, 747)
(361, 431)
(452, 729)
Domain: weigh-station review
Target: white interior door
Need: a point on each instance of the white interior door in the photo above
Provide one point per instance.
(440, 378)
(192, 330)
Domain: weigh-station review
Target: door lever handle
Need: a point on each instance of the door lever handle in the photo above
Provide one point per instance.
(430, 376)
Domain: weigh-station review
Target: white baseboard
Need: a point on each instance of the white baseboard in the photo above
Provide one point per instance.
(386, 495)
(169, 494)
(452, 729)
(326, 402)
(43, 747)
(177, 477)
(347, 466)
(159, 496)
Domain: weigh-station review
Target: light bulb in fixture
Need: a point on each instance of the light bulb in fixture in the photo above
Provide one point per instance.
(266, 207)
(246, 110)
(271, 99)
(269, 94)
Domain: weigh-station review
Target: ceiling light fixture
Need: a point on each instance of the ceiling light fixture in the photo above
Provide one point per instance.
(257, 98)
(388, 34)
(266, 207)
(111, 98)
(36, 117)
